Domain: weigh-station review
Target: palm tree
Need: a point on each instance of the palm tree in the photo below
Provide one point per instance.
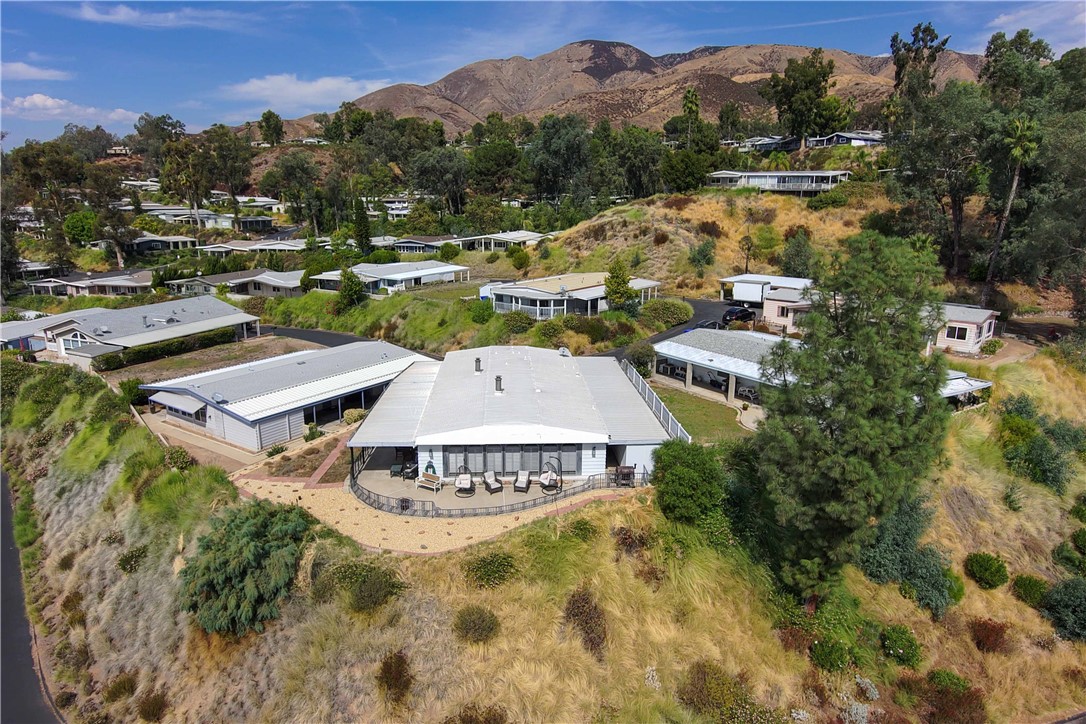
(1022, 142)
(778, 161)
(691, 109)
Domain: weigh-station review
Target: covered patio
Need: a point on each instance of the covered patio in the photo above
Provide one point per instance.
(724, 361)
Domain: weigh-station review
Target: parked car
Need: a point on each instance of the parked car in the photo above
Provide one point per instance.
(737, 314)
(709, 324)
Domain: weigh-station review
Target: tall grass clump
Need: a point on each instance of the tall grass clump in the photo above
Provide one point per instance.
(394, 677)
(183, 500)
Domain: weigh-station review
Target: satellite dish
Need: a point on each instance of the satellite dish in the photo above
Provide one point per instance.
(564, 352)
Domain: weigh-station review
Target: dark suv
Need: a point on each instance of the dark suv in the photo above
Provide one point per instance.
(738, 314)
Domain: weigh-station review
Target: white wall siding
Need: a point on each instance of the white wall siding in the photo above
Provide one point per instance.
(239, 433)
(273, 430)
(215, 422)
(437, 458)
(969, 345)
(593, 465)
(640, 456)
(297, 423)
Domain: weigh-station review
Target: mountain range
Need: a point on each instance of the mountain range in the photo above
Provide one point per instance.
(600, 79)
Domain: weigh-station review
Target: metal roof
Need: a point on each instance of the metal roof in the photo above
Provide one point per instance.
(771, 280)
(735, 352)
(779, 174)
(28, 328)
(587, 285)
(398, 271)
(966, 313)
(959, 383)
(255, 390)
(546, 397)
(178, 402)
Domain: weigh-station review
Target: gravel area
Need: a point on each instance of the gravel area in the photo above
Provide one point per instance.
(377, 530)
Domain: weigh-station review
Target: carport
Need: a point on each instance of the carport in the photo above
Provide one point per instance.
(727, 361)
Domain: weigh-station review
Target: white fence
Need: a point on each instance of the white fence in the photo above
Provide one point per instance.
(673, 427)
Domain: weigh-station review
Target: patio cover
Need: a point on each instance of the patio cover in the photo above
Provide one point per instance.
(178, 402)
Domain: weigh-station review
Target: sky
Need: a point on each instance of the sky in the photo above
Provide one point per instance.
(206, 62)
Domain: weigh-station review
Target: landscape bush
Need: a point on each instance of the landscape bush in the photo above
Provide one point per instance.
(158, 350)
(1012, 497)
(949, 698)
(991, 347)
(152, 706)
(677, 203)
(830, 654)
(476, 714)
(490, 570)
(312, 432)
(1066, 435)
(476, 624)
(1078, 510)
(353, 416)
(130, 560)
(896, 556)
(518, 322)
(632, 541)
(1065, 555)
(493, 257)
(987, 570)
(179, 458)
(1078, 539)
(583, 529)
(660, 238)
(66, 561)
(585, 615)
(64, 699)
(482, 310)
(1065, 606)
(121, 686)
(710, 228)
(640, 355)
(688, 479)
(948, 680)
(549, 330)
(1030, 590)
(955, 585)
(520, 259)
(827, 200)
(1041, 461)
(131, 392)
(244, 566)
(394, 677)
(666, 312)
(989, 635)
(707, 689)
(367, 586)
(899, 644)
(275, 450)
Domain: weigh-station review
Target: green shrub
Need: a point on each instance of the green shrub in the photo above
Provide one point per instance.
(353, 415)
(476, 624)
(899, 644)
(66, 561)
(585, 615)
(991, 347)
(1065, 606)
(688, 479)
(152, 706)
(448, 251)
(493, 257)
(827, 200)
(955, 585)
(1078, 539)
(1078, 510)
(368, 587)
(250, 555)
(708, 690)
(179, 458)
(1030, 590)
(948, 680)
(312, 432)
(987, 570)
(1066, 435)
(394, 677)
(275, 450)
(64, 699)
(1041, 461)
(482, 310)
(1021, 406)
(130, 560)
(520, 259)
(549, 330)
(583, 530)
(831, 654)
(641, 355)
(717, 529)
(1066, 555)
(1012, 497)
(131, 392)
(158, 350)
(518, 322)
(666, 312)
(122, 686)
(490, 570)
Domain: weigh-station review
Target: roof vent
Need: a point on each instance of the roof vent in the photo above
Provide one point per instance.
(145, 321)
(498, 389)
(105, 329)
(216, 397)
(564, 352)
(478, 365)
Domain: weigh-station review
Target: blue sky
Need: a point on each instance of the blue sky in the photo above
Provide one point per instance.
(205, 62)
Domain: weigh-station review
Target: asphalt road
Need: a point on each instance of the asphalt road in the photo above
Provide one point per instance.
(287, 232)
(316, 336)
(22, 700)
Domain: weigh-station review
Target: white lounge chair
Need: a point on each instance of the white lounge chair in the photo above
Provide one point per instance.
(493, 485)
(523, 482)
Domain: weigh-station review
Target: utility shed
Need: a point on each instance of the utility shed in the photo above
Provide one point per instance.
(259, 404)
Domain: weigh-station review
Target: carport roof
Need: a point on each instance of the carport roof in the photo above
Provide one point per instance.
(734, 352)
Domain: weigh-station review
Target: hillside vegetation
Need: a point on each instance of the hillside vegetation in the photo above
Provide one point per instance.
(106, 527)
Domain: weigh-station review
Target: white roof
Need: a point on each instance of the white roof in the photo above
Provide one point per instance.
(31, 327)
(959, 383)
(178, 402)
(773, 281)
(734, 352)
(398, 271)
(546, 398)
(966, 313)
(782, 174)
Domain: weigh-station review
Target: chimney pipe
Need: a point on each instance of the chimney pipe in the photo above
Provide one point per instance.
(498, 385)
(145, 320)
(478, 365)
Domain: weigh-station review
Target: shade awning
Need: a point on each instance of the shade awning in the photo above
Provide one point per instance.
(184, 403)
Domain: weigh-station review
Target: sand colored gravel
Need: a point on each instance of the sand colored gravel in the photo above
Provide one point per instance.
(381, 531)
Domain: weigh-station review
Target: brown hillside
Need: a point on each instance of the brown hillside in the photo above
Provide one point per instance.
(598, 78)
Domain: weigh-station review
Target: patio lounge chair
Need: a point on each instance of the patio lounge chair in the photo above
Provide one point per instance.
(410, 470)
(523, 482)
(429, 481)
(395, 470)
(465, 486)
(548, 481)
(493, 485)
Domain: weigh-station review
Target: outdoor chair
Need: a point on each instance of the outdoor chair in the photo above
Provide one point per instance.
(522, 483)
(549, 481)
(493, 485)
(429, 481)
(410, 470)
(465, 486)
(396, 470)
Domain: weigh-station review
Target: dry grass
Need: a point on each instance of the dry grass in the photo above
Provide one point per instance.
(301, 463)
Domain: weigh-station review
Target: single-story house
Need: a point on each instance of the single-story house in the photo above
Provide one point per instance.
(152, 242)
(500, 241)
(730, 361)
(966, 328)
(244, 246)
(259, 404)
(257, 202)
(546, 297)
(105, 284)
(421, 244)
(847, 138)
(383, 242)
(748, 289)
(398, 276)
(257, 282)
(506, 409)
(780, 181)
(765, 144)
(81, 337)
(37, 269)
(27, 334)
(783, 307)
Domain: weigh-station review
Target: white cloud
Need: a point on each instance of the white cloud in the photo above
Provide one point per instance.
(288, 93)
(25, 71)
(186, 17)
(40, 107)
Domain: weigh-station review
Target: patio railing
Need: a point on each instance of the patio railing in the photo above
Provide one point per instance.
(429, 509)
(673, 427)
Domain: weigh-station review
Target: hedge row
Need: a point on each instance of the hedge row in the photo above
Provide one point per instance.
(158, 350)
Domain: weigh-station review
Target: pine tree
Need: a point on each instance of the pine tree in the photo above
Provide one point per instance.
(362, 232)
(617, 284)
(351, 290)
(855, 417)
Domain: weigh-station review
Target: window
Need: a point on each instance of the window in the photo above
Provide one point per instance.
(782, 312)
(960, 333)
(989, 327)
(256, 285)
